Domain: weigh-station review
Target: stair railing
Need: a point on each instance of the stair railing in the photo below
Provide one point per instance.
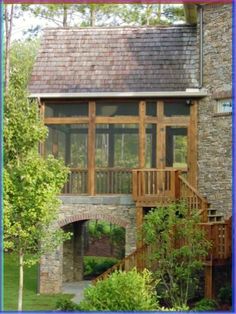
(193, 198)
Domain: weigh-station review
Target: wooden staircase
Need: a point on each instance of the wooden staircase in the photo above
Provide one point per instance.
(153, 188)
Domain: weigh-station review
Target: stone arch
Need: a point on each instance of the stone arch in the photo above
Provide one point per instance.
(88, 216)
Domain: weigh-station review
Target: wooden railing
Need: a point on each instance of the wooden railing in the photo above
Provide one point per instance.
(193, 199)
(77, 182)
(139, 259)
(107, 181)
(159, 185)
(113, 181)
(220, 236)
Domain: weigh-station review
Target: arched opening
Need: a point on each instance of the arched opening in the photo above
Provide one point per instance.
(95, 245)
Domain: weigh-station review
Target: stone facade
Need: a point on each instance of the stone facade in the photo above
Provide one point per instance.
(215, 130)
(66, 264)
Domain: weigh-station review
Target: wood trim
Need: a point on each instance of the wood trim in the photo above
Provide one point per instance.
(192, 145)
(161, 134)
(142, 133)
(67, 120)
(91, 148)
(117, 120)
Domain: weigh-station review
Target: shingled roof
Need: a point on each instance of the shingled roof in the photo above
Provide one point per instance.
(143, 59)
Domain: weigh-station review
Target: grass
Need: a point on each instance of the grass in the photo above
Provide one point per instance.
(31, 301)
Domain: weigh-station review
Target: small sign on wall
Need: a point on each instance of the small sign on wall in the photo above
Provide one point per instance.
(224, 106)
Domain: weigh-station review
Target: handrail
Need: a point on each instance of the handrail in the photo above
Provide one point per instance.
(218, 233)
(124, 264)
(195, 191)
(194, 198)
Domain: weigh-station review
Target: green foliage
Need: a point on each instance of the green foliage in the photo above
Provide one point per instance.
(225, 295)
(94, 266)
(121, 291)
(31, 189)
(205, 305)
(64, 304)
(178, 246)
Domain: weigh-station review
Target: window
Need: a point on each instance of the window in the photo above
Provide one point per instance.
(224, 106)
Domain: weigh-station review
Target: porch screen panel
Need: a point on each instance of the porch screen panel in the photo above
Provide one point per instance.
(176, 107)
(150, 146)
(176, 147)
(117, 107)
(69, 143)
(116, 154)
(66, 109)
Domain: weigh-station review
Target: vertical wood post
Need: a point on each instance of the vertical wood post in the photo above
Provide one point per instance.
(192, 145)
(139, 222)
(142, 133)
(177, 185)
(91, 148)
(160, 137)
(208, 291)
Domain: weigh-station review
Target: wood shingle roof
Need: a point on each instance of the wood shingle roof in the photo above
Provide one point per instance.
(116, 60)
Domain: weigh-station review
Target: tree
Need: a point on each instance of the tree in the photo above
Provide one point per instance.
(9, 13)
(179, 246)
(31, 183)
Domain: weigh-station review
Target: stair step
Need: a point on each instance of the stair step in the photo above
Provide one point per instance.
(213, 218)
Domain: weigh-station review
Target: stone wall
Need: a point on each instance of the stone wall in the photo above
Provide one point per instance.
(65, 264)
(214, 131)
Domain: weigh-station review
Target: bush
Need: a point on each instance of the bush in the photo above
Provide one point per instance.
(66, 305)
(205, 305)
(121, 291)
(225, 295)
(96, 266)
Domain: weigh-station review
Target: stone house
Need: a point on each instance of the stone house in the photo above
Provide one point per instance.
(142, 116)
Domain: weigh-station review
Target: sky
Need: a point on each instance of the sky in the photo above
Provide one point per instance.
(27, 20)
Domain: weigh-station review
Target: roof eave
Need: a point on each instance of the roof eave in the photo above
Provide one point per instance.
(186, 93)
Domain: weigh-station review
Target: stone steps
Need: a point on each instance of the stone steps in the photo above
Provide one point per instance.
(213, 216)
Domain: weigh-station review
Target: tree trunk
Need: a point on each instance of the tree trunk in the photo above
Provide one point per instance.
(92, 16)
(8, 32)
(65, 15)
(159, 13)
(21, 280)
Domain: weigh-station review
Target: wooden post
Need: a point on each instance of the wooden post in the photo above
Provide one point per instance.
(208, 291)
(91, 148)
(142, 133)
(160, 137)
(192, 145)
(177, 185)
(139, 222)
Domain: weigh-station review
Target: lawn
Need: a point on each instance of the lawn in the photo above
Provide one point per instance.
(31, 301)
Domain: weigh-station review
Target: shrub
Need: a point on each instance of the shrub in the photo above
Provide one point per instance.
(64, 304)
(205, 305)
(225, 295)
(96, 266)
(121, 291)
